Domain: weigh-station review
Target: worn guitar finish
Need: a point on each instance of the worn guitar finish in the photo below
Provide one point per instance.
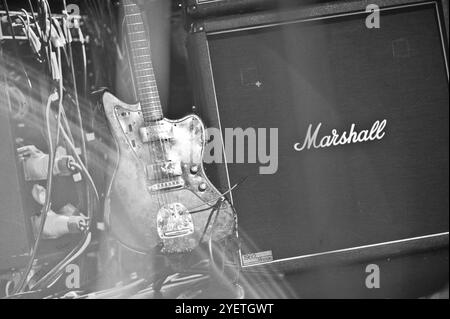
(159, 195)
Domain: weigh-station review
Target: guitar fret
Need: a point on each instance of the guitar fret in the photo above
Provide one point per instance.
(135, 55)
(143, 71)
(144, 101)
(150, 112)
(133, 19)
(147, 95)
(142, 82)
(135, 37)
(144, 93)
(145, 78)
(140, 55)
(147, 88)
(137, 32)
(153, 105)
(144, 48)
(147, 109)
(150, 109)
(150, 106)
(141, 59)
(144, 62)
(153, 114)
(137, 47)
(140, 45)
(135, 27)
(152, 92)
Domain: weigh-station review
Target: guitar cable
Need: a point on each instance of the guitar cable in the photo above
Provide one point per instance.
(55, 272)
(47, 205)
(80, 248)
(66, 30)
(53, 275)
(52, 151)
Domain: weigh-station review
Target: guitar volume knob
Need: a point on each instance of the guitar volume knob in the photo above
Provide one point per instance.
(194, 169)
(202, 187)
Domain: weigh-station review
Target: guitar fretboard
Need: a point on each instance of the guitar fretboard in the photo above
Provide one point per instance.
(140, 57)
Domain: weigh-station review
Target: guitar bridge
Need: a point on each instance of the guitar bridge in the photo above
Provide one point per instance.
(173, 221)
(168, 185)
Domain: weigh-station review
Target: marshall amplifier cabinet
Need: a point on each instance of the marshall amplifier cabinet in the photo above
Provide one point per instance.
(338, 115)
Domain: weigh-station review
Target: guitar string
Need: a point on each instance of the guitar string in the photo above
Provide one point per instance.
(157, 168)
(161, 175)
(159, 123)
(150, 151)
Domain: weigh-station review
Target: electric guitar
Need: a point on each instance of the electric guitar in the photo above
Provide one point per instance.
(159, 196)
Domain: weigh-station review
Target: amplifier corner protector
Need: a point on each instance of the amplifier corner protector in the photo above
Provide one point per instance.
(196, 27)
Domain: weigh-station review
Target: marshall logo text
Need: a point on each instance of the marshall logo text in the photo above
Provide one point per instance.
(376, 132)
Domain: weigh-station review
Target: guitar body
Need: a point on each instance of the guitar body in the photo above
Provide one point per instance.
(159, 195)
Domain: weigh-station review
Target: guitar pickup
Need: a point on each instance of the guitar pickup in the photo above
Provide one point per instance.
(166, 169)
(173, 184)
(156, 132)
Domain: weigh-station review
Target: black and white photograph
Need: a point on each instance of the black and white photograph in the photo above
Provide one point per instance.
(224, 154)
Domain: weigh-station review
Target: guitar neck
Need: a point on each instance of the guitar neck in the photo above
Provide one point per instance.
(140, 57)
